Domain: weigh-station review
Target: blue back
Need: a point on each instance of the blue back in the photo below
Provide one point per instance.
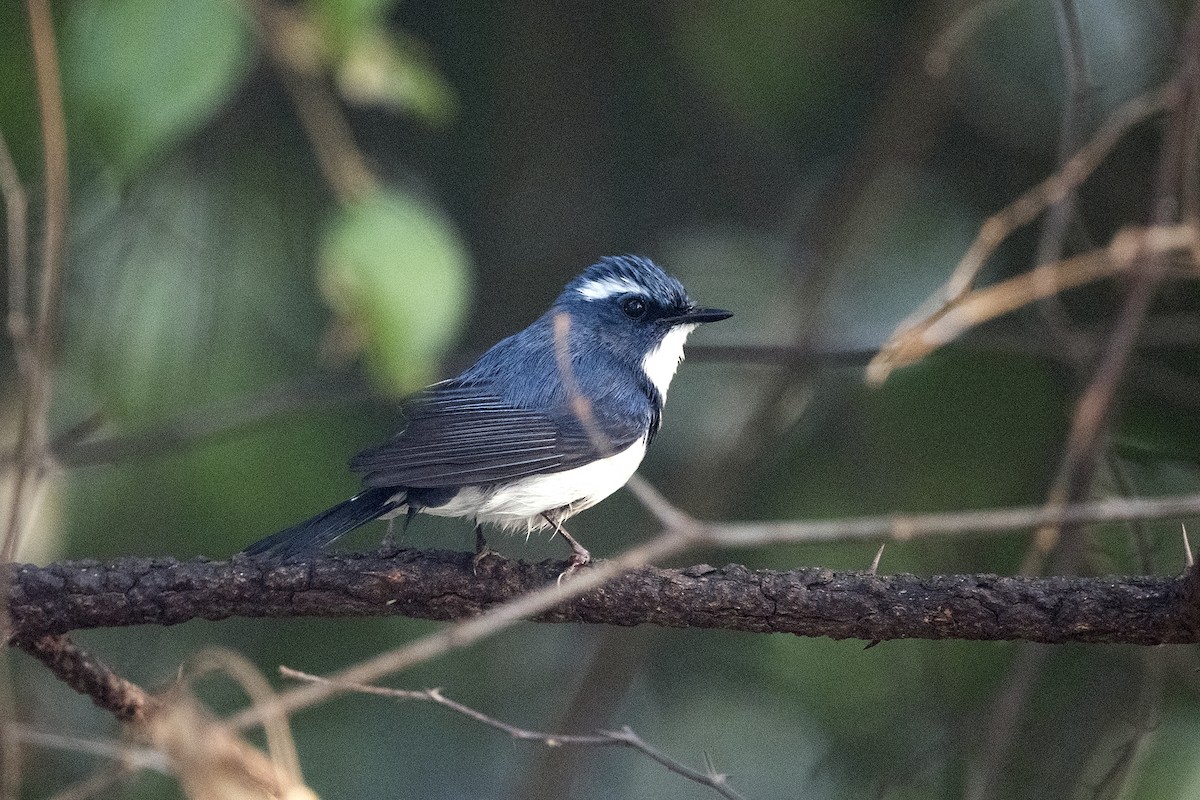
(511, 414)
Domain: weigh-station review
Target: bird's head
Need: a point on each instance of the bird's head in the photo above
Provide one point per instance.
(637, 312)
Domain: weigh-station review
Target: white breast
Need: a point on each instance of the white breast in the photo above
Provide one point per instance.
(519, 505)
(661, 362)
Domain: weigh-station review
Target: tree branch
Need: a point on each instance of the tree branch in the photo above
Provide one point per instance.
(625, 737)
(88, 675)
(442, 585)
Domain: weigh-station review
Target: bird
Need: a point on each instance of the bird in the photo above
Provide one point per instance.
(548, 422)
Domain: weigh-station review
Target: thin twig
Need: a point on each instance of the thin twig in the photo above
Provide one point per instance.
(123, 752)
(95, 785)
(1078, 89)
(864, 191)
(1094, 409)
(282, 29)
(1141, 537)
(1058, 217)
(788, 355)
(16, 211)
(625, 737)
(54, 144)
(580, 406)
(460, 635)
(38, 377)
(1145, 719)
(193, 427)
(1020, 212)
(903, 528)
(955, 35)
(982, 305)
(676, 540)
(1001, 728)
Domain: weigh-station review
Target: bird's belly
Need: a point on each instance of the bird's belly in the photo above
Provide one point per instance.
(521, 503)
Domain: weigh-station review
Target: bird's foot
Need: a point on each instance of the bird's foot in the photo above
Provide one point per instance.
(482, 551)
(479, 556)
(388, 548)
(579, 559)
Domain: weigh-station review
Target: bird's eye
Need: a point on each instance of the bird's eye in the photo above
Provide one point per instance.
(634, 307)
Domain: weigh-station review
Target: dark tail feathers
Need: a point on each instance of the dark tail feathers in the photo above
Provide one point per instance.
(324, 528)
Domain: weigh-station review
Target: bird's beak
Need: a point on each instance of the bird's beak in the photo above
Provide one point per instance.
(698, 315)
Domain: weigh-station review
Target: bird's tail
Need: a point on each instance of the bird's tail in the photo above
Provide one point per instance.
(324, 528)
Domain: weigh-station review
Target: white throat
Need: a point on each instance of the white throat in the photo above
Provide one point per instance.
(661, 362)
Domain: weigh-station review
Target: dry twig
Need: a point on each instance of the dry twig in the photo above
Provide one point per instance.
(294, 46)
(624, 737)
(1020, 212)
(37, 353)
(1094, 409)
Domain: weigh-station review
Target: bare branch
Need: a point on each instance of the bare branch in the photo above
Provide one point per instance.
(87, 675)
(39, 354)
(293, 47)
(1093, 411)
(442, 585)
(1021, 212)
(982, 305)
(525, 604)
(44, 602)
(625, 737)
(124, 753)
(16, 212)
(965, 25)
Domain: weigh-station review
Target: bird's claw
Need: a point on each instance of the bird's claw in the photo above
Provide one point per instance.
(579, 560)
(479, 556)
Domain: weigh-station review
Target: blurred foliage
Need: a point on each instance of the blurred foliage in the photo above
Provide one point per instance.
(377, 64)
(139, 75)
(789, 160)
(767, 58)
(393, 268)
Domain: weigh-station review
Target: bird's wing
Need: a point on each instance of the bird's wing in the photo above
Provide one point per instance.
(460, 435)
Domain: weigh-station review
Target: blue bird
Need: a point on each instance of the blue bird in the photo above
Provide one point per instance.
(546, 423)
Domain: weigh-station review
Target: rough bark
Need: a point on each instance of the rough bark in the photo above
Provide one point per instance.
(440, 585)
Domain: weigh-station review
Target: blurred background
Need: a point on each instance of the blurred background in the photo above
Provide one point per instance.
(283, 217)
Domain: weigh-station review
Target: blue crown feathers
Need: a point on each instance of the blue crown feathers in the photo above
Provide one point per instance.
(626, 274)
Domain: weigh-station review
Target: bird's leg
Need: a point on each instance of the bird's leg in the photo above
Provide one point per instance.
(580, 557)
(389, 539)
(388, 544)
(482, 551)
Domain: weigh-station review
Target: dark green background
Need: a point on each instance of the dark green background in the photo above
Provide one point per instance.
(791, 161)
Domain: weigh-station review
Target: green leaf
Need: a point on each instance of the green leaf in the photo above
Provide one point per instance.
(397, 274)
(377, 69)
(375, 65)
(142, 74)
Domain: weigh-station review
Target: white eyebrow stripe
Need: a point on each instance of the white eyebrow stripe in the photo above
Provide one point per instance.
(607, 287)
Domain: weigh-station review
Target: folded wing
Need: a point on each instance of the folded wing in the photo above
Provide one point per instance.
(463, 435)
